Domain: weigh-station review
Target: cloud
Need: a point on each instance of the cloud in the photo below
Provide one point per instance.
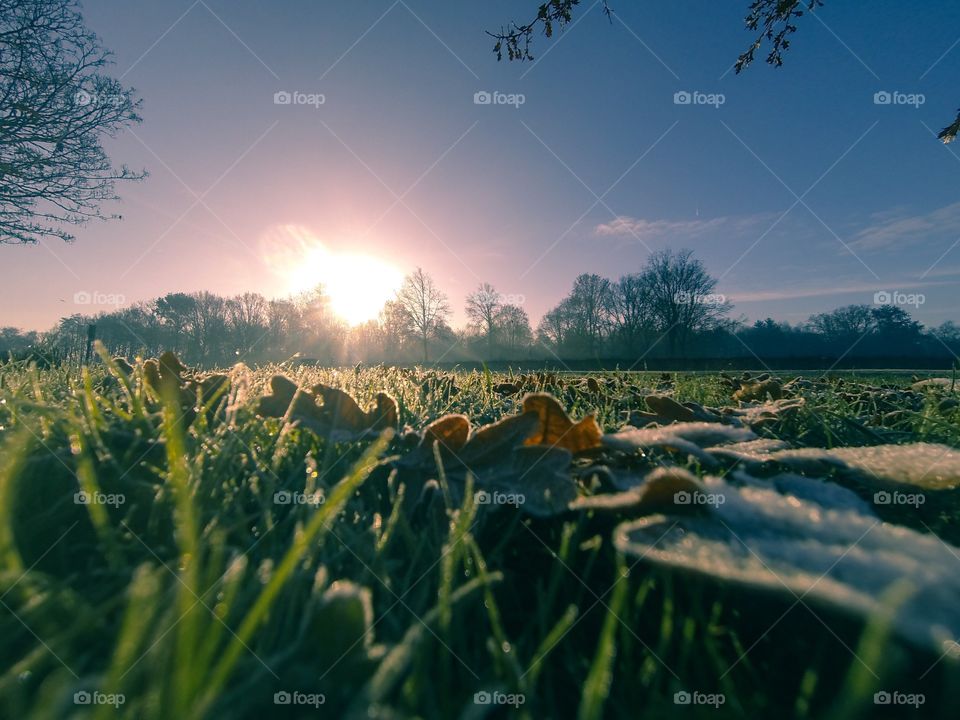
(648, 229)
(890, 231)
(867, 289)
(643, 229)
(946, 271)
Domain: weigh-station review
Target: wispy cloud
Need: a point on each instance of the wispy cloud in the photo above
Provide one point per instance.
(644, 229)
(866, 289)
(945, 271)
(892, 230)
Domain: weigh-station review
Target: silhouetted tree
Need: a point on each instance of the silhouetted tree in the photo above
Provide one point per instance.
(629, 311)
(553, 327)
(844, 327)
(56, 106)
(514, 328)
(897, 332)
(681, 297)
(247, 321)
(425, 306)
(483, 309)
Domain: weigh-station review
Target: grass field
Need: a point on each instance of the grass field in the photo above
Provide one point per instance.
(231, 565)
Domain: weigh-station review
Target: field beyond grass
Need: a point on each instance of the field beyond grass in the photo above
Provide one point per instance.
(167, 551)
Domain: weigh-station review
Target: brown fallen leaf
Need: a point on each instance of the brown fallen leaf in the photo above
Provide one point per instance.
(284, 393)
(170, 380)
(660, 491)
(760, 390)
(451, 431)
(123, 366)
(557, 429)
(495, 442)
(670, 408)
(337, 411)
(539, 476)
(506, 388)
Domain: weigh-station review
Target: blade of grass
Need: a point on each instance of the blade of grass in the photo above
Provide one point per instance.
(337, 498)
(598, 681)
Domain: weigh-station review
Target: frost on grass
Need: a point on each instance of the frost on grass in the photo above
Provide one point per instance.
(923, 465)
(683, 438)
(812, 541)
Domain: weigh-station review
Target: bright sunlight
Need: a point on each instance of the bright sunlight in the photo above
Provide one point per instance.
(358, 285)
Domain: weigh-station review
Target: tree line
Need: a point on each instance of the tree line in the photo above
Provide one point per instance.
(668, 309)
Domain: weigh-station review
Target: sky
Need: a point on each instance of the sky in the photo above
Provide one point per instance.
(800, 188)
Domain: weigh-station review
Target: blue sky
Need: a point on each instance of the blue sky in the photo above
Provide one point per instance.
(799, 191)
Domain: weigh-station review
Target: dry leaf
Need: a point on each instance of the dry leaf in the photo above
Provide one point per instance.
(506, 388)
(557, 429)
(342, 412)
(451, 431)
(495, 442)
(538, 476)
(283, 393)
(759, 390)
(338, 412)
(657, 493)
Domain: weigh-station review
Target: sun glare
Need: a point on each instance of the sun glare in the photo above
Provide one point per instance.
(358, 285)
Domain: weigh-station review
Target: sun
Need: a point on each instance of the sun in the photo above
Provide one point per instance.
(357, 285)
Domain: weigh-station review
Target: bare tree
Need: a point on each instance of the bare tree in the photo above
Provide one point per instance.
(845, 325)
(554, 326)
(483, 309)
(281, 319)
(425, 306)
(55, 108)
(514, 328)
(681, 296)
(588, 305)
(247, 320)
(629, 300)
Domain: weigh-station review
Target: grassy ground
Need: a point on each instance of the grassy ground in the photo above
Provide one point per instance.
(202, 595)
